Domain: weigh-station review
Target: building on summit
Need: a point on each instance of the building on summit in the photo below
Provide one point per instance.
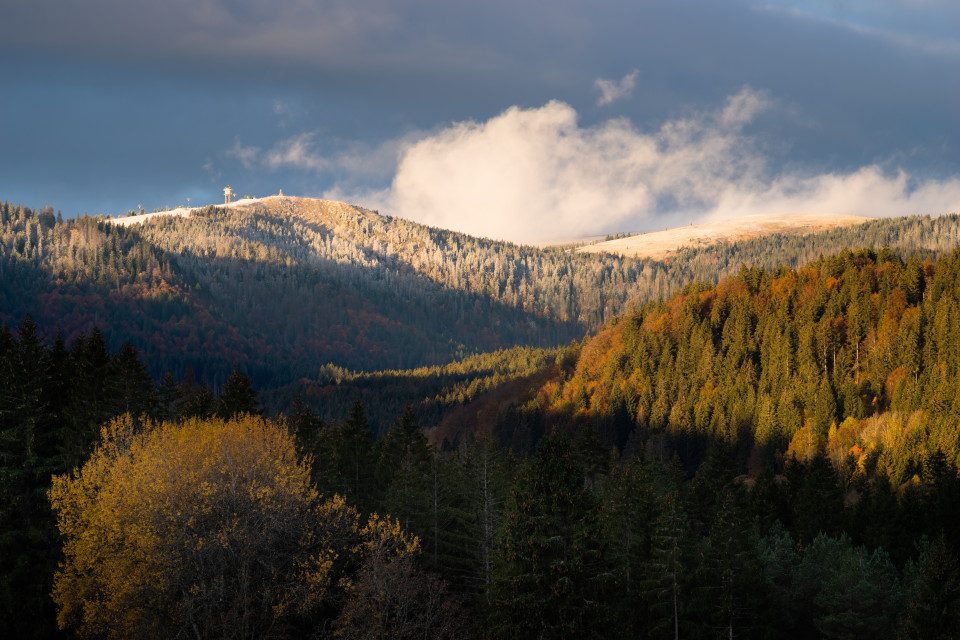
(227, 195)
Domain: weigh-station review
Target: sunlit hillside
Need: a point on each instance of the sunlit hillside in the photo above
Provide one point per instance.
(660, 245)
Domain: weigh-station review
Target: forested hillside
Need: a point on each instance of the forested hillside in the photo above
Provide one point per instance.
(785, 466)
(857, 354)
(284, 292)
(287, 285)
(766, 452)
(433, 392)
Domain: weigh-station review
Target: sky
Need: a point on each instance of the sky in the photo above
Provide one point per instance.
(524, 120)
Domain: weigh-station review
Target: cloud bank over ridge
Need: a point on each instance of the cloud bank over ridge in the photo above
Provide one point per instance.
(112, 103)
(533, 175)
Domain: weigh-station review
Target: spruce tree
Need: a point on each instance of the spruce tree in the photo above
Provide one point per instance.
(484, 471)
(238, 396)
(666, 581)
(403, 471)
(314, 439)
(168, 397)
(137, 396)
(933, 609)
(551, 556)
(355, 457)
(825, 408)
(29, 455)
(731, 597)
(817, 498)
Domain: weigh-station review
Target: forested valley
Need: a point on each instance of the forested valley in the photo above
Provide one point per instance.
(290, 285)
(769, 452)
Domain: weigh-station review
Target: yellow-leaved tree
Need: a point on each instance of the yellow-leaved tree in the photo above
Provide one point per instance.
(202, 529)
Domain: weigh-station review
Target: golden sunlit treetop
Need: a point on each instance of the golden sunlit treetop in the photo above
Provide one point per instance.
(201, 529)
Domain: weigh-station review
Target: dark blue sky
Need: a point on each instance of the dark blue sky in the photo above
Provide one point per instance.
(589, 116)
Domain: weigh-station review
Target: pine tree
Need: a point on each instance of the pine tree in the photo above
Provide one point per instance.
(713, 480)
(304, 425)
(485, 471)
(58, 392)
(315, 441)
(196, 400)
(855, 593)
(98, 380)
(629, 508)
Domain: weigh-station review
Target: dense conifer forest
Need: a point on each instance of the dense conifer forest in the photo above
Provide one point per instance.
(287, 287)
(434, 392)
(771, 456)
(286, 292)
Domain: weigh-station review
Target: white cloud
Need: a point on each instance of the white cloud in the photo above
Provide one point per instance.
(245, 154)
(868, 191)
(535, 174)
(522, 175)
(211, 170)
(310, 152)
(610, 91)
(743, 107)
(299, 151)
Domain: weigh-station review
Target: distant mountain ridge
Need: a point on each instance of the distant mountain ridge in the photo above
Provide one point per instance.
(282, 286)
(316, 208)
(660, 245)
